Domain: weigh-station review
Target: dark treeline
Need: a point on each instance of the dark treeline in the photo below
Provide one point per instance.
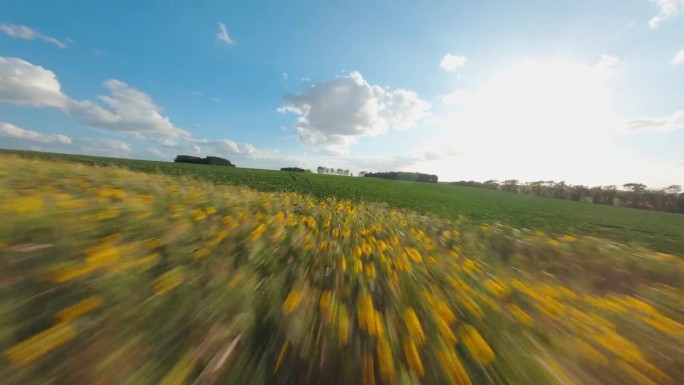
(333, 171)
(636, 195)
(294, 169)
(212, 160)
(400, 175)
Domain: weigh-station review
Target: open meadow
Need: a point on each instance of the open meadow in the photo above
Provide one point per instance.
(112, 276)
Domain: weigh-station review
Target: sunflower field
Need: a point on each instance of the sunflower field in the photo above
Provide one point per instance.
(109, 276)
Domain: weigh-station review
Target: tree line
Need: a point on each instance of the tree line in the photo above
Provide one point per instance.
(333, 171)
(212, 160)
(636, 195)
(400, 175)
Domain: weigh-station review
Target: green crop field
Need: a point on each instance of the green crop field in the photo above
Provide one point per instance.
(658, 230)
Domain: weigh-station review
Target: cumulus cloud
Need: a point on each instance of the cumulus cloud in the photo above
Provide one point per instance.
(674, 121)
(123, 110)
(126, 110)
(451, 62)
(222, 34)
(24, 83)
(335, 113)
(678, 58)
(666, 9)
(24, 32)
(8, 130)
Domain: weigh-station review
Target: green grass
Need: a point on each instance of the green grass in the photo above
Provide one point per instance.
(658, 230)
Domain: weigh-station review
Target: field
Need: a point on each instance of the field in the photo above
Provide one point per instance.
(657, 230)
(109, 276)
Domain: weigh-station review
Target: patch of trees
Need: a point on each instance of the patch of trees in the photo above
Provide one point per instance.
(293, 169)
(212, 160)
(400, 175)
(333, 171)
(636, 195)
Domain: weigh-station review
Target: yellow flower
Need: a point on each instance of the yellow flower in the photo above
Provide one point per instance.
(40, 344)
(168, 281)
(370, 270)
(79, 309)
(358, 265)
(413, 358)
(198, 215)
(452, 367)
(343, 264)
(413, 325)
(335, 233)
(292, 301)
(386, 361)
(477, 346)
(210, 210)
(357, 251)
(569, 238)
(102, 256)
(366, 248)
(553, 242)
(520, 314)
(414, 254)
(445, 331)
(256, 233)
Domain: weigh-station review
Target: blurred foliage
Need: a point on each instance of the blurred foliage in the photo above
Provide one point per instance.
(108, 276)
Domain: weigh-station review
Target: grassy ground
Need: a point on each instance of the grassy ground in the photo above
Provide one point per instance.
(658, 230)
(108, 276)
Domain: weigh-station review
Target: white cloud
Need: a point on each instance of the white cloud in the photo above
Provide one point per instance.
(456, 97)
(666, 9)
(678, 58)
(674, 121)
(452, 62)
(222, 34)
(126, 110)
(24, 83)
(8, 130)
(334, 114)
(24, 32)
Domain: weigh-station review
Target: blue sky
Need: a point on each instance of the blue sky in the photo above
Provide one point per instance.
(583, 91)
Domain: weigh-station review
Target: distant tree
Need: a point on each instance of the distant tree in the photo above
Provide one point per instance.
(292, 169)
(212, 160)
(510, 185)
(673, 189)
(362, 173)
(320, 170)
(636, 193)
(491, 184)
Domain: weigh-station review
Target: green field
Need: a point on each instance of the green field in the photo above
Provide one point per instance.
(658, 230)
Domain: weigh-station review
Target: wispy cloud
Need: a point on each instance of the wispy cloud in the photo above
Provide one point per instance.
(678, 58)
(666, 9)
(222, 35)
(23, 32)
